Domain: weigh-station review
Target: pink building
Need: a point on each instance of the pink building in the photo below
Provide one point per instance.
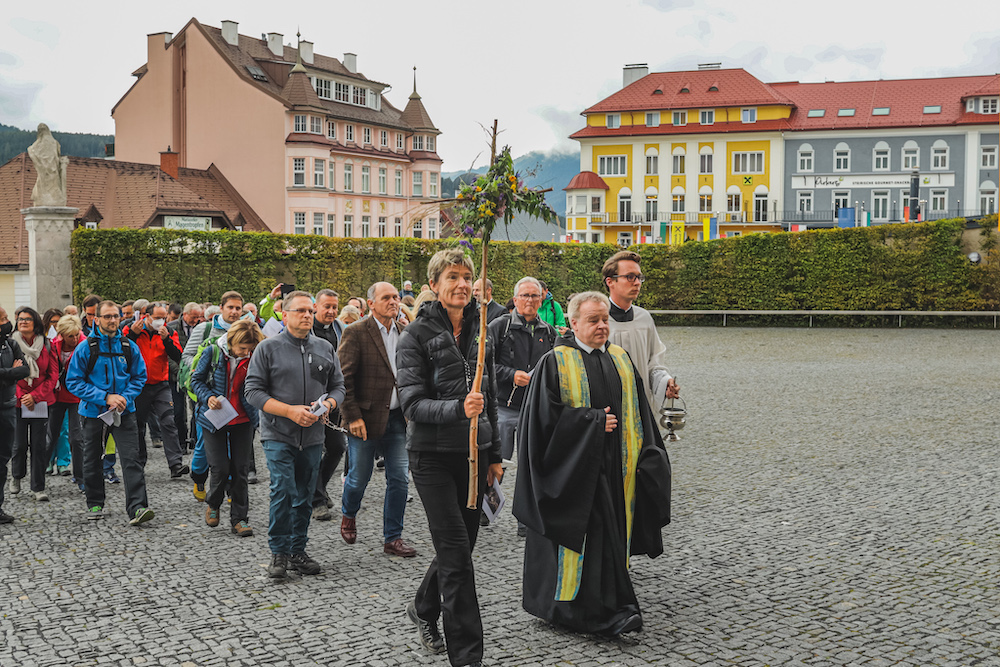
(308, 140)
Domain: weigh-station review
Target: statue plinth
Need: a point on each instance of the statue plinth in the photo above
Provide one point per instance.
(49, 270)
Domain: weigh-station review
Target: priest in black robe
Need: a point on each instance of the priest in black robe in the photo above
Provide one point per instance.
(593, 481)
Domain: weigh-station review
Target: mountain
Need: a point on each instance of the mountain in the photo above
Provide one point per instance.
(538, 169)
(14, 141)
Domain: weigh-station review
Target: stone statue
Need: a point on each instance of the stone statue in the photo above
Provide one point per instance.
(50, 185)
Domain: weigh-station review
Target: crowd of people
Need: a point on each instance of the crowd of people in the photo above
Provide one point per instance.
(386, 381)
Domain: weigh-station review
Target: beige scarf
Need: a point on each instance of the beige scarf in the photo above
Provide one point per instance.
(31, 354)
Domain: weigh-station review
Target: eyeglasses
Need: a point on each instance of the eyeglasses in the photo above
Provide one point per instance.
(301, 311)
(529, 297)
(110, 317)
(24, 319)
(631, 277)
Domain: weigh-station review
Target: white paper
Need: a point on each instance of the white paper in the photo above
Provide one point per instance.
(40, 411)
(223, 415)
(52, 333)
(493, 501)
(319, 407)
(272, 327)
(112, 417)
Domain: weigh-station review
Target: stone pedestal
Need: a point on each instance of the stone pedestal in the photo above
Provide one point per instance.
(49, 269)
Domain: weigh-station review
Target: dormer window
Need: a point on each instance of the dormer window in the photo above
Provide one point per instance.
(713, 89)
(685, 89)
(613, 121)
(749, 115)
(989, 105)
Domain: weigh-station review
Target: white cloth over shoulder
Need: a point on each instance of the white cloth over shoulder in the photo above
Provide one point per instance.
(643, 344)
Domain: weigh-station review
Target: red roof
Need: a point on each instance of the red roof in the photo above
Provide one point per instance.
(587, 180)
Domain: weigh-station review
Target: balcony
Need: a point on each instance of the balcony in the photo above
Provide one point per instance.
(688, 218)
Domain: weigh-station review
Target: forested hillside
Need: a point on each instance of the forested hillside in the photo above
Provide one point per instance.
(14, 140)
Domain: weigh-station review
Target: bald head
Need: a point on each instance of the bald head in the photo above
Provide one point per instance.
(383, 300)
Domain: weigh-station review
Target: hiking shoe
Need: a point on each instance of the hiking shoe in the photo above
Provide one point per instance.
(522, 530)
(51, 469)
(15, 485)
(199, 492)
(64, 471)
(321, 513)
(179, 471)
(278, 567)
(242, 529)
(304, 564)
(211, 517)
(95, 513)
(41, 496)
(252, 477)
(142, 515)
(112, 477)
(5, 518)
(427, 632)
(157, 443)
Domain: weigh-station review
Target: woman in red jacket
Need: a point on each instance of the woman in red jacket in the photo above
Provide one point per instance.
(68, 336)
(37, 389)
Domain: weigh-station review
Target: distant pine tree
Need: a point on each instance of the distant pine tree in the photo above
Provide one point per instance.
(14, 141)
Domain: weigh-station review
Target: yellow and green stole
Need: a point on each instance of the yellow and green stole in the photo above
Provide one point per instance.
(574, 390)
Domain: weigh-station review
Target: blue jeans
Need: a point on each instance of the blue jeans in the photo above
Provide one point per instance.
(392, 445)
(199, 460)
(293, 479)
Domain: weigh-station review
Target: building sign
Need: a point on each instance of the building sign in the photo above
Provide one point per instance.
(188, 223)
(871, 181)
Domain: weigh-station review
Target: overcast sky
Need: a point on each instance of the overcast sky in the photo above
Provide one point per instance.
(533, 65)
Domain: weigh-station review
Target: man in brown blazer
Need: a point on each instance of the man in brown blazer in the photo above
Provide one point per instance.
(374, 417)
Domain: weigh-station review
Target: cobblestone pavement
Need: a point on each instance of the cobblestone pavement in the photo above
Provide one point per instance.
(835, 504)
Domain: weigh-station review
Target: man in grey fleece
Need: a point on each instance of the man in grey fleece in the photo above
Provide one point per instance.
(288, 375)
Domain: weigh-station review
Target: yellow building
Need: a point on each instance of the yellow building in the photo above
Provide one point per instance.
(670, 152)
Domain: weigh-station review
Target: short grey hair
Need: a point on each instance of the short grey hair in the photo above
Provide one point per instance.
(139, 305)
(371, 290)
(527, 279)
(327, 292)
(191, 305)
(442, 259)
(585, 297)
(212, 311)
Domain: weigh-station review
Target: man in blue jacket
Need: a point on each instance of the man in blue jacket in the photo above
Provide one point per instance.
(110, 384)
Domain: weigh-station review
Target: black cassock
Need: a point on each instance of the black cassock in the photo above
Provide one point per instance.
(570, 493)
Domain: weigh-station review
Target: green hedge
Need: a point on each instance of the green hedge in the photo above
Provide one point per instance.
(889, 267)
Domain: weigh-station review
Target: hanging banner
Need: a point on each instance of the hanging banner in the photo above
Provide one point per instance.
(845, 216)
(677, 232)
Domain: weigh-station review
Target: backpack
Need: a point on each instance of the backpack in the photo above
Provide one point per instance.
(94, 344)
(216, 353)
(184, 369)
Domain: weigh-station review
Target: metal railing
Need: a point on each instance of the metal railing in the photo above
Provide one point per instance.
(899, 314)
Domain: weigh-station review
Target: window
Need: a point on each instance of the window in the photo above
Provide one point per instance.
(652, 165)
(611, 165)
(911, 156)
(433, 192)
(366, 179)
(805, 160)
(399, 184)
(990, 105)
(381, 227)
(331, 183)
(749, 115)
(366, 134)
(841, 199)
(734, 204)
(300, 123)
(349, 132)
(417, 142)
(432, 228)
(360, 96)
(613, 121)
(331, 130)
(418, 184)
(651, 207)
(805, 201)
(595, 204)
(331, 225)
(881, 159)
(323, 88)
(677, 203)
(880, 111)
(680, 118)
(418, 229)
(987, 202)
(705, 203)
(932, 108)
(939, 155)
(845, 112)
(383, 138)
(318, 224)
(842, 158)
(748, 163)
(430, 145)
(299, 172)
(652, 119)
(366, 226)
(382, 181)
(300, 222)
(398, 227)
(319, 175)
(939, 201)
(988, 157)
(880, 205)
(624, 208)
(342, 92)
(315, 124)
(706, 163)
(348, 177)
(399, 141)
(679, 164)
(348, 226)
(816, 113)
(708, 116)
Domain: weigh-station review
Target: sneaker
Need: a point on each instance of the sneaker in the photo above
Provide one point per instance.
(157, 443)
(278, 567)
(380, 463)
(51, 469)
(179, 471)
(112, 477)
(304, 564)
(5, 518)
(83, 487)
(427, 632)
(321, 513)
(243, 529)
(95, 513)
(41, 496)
(15, 485)
(142, 515)
(64, 471)
(252, 477)
(199, 492)
(211, 517)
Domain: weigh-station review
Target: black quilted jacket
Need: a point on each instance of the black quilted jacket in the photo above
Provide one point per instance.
(434, 376)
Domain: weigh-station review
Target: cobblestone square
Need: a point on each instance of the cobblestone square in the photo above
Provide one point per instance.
(835, 503)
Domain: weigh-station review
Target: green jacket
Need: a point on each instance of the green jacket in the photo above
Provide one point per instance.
(551, 312)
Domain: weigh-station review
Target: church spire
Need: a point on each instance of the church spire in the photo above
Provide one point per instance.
(414, 95)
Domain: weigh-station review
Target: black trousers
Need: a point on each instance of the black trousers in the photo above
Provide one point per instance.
(156, 400)
(180, 414)
(333, 450)
(57, 412)
(228, 452)
(31, 435)
(449, 586)
(7, 428)
(131, 453)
